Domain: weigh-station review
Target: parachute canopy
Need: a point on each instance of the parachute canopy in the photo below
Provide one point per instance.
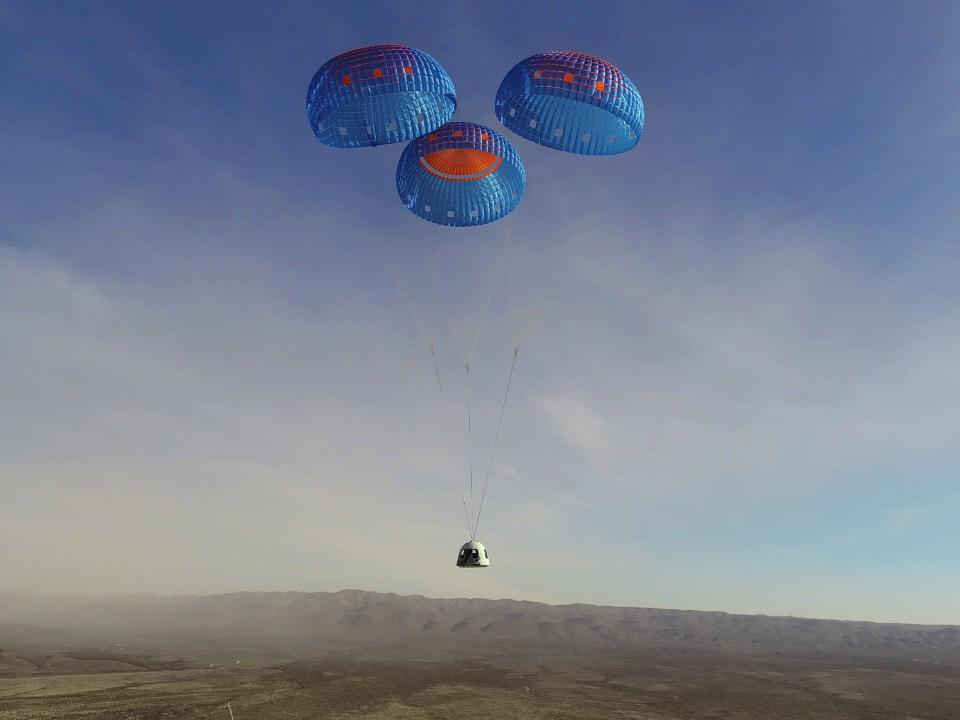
(461, 174)
(571, 101)
(377, 95)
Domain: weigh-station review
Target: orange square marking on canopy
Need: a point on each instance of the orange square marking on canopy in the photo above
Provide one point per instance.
(568, 77)
(484, 136)
(432, 137)
(601, 85)
(458, 133)
(347, 80)
(408, 69)
(377, 73)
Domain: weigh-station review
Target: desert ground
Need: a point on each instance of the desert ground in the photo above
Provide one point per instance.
(142, 666)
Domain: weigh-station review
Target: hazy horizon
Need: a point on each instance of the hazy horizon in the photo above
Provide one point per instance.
(739, 382)
(287, 591)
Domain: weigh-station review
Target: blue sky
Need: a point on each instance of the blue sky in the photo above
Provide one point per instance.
(739, 382)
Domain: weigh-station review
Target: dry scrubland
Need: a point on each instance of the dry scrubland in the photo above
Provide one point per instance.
(364, 655)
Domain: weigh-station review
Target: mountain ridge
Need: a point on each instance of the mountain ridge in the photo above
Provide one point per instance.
(303, 620)
(353, 592)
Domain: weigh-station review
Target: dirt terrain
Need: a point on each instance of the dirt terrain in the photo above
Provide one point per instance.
(298, 656)
(650, 687)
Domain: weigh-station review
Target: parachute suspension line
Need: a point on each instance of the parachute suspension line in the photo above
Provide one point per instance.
(470, 449)
(427, 333)
(451, 442)
(466, 513)
(440, 311)
(496, 437)
(518, 330)
(497, 274)
(430, 264)
(451, 324)
(393, 268)
(439, 302)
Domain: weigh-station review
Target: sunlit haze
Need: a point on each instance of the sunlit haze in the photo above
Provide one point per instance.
(739, 371)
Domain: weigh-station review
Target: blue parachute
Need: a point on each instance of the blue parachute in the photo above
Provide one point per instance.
(461, 174)
(571, 101)
(377, 95)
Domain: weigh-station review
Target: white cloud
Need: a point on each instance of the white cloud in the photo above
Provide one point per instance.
(582, 428)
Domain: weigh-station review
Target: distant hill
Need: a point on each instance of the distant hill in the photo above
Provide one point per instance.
(304, 622)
